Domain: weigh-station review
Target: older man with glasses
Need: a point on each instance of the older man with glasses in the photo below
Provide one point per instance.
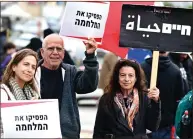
(57, 80)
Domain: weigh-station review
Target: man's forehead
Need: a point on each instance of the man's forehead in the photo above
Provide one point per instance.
(56, 42)
(53, 38)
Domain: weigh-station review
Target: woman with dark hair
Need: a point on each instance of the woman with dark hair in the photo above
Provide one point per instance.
(127, 108)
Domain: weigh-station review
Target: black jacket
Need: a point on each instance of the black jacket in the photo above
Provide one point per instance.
(170, 84)
(110, 121)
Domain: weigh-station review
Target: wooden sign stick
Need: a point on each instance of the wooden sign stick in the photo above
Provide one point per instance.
(154, 69)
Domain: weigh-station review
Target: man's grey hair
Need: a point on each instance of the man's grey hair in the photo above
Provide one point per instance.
(44, 43)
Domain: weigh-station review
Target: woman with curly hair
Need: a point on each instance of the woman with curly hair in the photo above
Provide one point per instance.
(127, 108)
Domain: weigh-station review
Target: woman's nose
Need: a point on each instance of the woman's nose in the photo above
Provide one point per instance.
(127, 78)
(30, 69)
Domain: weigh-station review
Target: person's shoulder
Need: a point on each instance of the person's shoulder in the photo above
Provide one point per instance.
(105, 95)
(189, 62)
(67, 66)
(108, 56)
(175, 69)
(146, 62)
(104, 98)
(4, 92)
(143, 64)
(3, 86)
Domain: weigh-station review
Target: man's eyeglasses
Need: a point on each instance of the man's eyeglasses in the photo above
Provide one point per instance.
(58, 49)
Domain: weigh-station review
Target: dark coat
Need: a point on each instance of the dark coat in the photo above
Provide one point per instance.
(109, 119)
(171, 86)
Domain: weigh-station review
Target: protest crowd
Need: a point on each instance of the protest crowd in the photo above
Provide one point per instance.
(129, 107)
